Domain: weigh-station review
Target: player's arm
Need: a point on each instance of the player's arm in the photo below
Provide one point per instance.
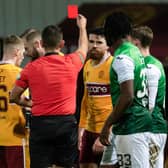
(17, 97)
(83, 117)
(17, 93)
(83, 39)
(82, 122)
(124, 68)
(124, 101)
(153, 76)
(83, 112)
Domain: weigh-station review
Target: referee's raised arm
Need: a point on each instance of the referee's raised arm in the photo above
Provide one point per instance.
(83, 39)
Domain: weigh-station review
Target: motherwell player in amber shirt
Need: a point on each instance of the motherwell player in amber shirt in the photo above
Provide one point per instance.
(11, 117)
(96, 103)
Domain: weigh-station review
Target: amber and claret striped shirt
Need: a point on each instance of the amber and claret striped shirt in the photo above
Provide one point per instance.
(96, 103)
(10, 114)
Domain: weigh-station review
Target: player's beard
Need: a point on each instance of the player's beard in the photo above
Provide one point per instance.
(95, 54)
(35, 54)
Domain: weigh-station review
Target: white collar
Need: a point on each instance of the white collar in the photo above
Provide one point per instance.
(7, 62)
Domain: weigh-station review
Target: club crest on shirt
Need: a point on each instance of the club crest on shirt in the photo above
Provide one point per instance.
(2, 78)
(101, 74)
(119, 58)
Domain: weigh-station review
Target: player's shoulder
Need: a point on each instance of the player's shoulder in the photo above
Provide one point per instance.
(153, 60)
(12, 67)
(123, 62)
(88, 62)
(151, 57)
(123, 58)
(110, 58)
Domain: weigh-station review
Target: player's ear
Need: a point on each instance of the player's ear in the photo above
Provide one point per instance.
(135, 41)
(42, 44)
(16, 52)
(37, 44)
(107, 48)
(61, 44)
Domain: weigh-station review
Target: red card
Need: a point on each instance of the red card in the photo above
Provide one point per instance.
(72, 11)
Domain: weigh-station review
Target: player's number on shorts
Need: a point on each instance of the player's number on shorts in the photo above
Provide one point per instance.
(3, 99)
(124, 160)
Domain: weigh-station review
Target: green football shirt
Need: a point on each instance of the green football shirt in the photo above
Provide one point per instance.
(157, 80)
(129, 64)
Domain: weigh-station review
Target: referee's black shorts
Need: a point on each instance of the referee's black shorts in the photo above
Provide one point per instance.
(53, 140)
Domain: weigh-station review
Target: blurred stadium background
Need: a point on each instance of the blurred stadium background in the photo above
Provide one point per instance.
(18, 15)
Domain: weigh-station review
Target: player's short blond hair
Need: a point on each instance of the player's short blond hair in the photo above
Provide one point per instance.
(11, 42)
(144, 34)
(31, 37)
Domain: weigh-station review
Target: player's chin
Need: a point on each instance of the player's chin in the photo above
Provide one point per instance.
(95, 57)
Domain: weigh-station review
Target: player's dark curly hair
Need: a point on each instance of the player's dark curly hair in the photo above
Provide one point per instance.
(97, 31)
(117, 25)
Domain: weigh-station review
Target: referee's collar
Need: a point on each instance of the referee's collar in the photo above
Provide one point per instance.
(57, 53)
(51, 53)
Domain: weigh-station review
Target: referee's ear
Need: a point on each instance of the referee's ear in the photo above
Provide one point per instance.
(61, 44)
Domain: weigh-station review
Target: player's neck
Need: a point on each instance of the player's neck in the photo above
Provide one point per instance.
(145, 51)
(98, 62)
(119, 42)
(8, 61)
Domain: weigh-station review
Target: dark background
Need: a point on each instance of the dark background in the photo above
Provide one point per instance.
(153, 15)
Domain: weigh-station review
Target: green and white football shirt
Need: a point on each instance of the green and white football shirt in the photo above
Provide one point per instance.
(157, 90)
(128, 64)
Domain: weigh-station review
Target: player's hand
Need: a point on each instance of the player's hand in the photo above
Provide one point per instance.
(81, 21)
(104, 136)
(80, 134)
(97, 146)
(19, 130)
(26, 101)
